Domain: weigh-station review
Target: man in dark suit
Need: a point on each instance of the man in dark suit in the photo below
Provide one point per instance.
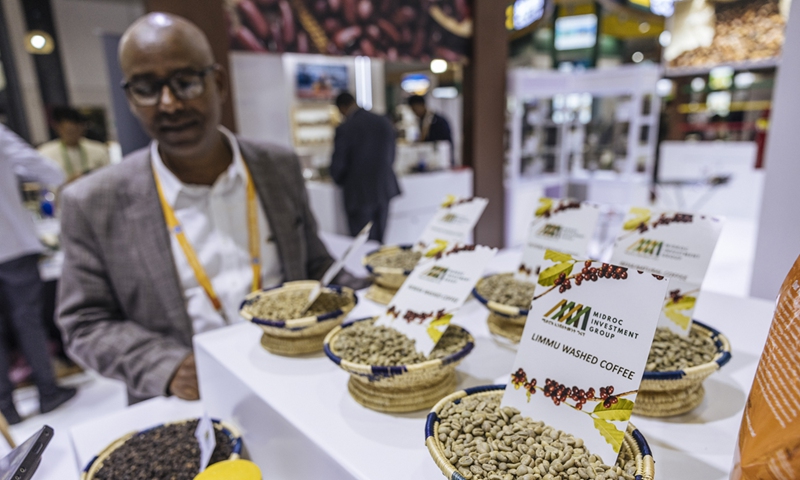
(432, 126)
(167, 244)
(363, 154)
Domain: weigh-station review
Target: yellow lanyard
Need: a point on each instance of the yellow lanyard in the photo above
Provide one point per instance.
(175, 228)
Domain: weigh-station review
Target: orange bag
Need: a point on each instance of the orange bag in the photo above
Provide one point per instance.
(769, 438)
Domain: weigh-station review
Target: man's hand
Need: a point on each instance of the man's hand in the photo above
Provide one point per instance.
(184, 383)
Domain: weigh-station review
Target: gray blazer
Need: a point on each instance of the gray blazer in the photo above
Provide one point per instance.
(121, 307)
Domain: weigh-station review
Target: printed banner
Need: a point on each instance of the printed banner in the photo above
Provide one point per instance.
(583, 352)
(451, 225)
(397, 30)
(676, 245)
(425, 304)
(561, 225)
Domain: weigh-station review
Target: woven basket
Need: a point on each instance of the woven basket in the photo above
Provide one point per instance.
(634, 446)
(664, 394)
(96, 463)
(302, 335)
(500, 326)
(402, 388)
(390, 279)
(379, 294)
(504, 320)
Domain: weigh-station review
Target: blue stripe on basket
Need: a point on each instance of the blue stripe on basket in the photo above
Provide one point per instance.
(327, 349)
(89, 465)
(457, 476)
(459, 354)
(379, 371)
(483, 388)
(642, 443)
(433, 418)
(676, 375)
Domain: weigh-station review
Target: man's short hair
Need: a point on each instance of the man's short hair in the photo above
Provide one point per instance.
(344, 100)
(67, 114)
(416, 100)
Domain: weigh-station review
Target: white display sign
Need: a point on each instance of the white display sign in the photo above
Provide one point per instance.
(337, 266)
(425, 304)
(583, 353)
(676, 245)
(451, 225)
(562, 225)
(206, 439)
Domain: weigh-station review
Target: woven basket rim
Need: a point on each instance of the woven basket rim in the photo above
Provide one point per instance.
(386, 270)
(722, 357)
(304, 322)
(394, 369)
(433, 418)
(232, 433)
(498, 308)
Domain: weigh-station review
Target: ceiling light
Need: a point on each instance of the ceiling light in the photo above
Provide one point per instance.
(637, 57)
(438, 65)
(39, 42)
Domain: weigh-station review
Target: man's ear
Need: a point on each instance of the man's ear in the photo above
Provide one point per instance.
(223, 84)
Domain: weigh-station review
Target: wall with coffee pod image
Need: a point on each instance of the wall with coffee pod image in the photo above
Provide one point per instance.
(417, 30)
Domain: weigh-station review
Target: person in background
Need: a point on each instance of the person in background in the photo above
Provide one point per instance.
(75, 154)
(167, 243)
(20, 285)
(432, 126)
(362, 164)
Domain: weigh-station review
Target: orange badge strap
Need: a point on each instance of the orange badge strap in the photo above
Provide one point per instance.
(175, 228)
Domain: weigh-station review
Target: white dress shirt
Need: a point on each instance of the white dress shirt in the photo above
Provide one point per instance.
(214, 219)
(19, 161)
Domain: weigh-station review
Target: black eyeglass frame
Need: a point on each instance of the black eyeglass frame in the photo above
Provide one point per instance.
(161, 83)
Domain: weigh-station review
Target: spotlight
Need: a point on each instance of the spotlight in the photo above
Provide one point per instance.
(438, 65)
(38, 42)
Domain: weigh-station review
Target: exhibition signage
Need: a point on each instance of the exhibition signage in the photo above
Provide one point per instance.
(583, 352)
(425, 304)
(396, 31)
(452, 224)
(561, 225)
(676, 245)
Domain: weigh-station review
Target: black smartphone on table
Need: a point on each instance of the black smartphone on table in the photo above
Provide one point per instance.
(23, 461)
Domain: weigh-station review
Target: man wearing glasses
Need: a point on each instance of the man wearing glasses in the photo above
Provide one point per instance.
(168, 243)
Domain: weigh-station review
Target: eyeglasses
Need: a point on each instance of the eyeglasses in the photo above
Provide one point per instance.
(184, 84)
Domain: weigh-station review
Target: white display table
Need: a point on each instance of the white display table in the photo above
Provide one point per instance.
(298, 420)
(422, 193)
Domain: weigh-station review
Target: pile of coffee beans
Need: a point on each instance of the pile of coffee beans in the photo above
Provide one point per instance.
(486, 442)
(752, 30)
(383, 346)
(166, 452)
(404, 259)
(405, 30)
(671, 351)
(288, 305)
(505, 290)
